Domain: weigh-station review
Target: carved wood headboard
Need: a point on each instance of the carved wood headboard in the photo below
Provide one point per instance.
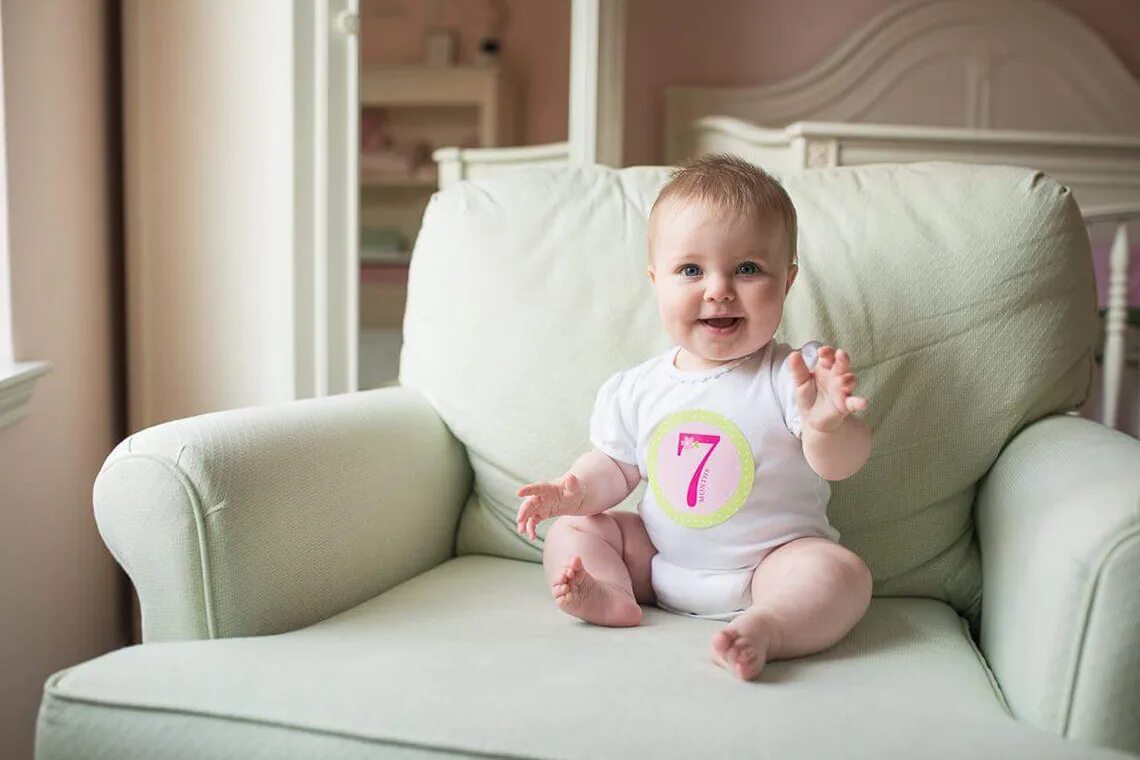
(1023, 65)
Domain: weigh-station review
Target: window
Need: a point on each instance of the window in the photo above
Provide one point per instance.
(6, 353)
(16, 380)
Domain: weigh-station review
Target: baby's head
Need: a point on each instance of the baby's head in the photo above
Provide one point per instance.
(722, 253)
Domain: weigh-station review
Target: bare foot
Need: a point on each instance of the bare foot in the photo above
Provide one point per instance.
(742, 646)
(582, 595)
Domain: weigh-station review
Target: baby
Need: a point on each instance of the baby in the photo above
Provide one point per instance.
(737, 435)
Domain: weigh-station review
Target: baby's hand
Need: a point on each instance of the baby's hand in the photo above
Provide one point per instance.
(544, 500)
(824, 397)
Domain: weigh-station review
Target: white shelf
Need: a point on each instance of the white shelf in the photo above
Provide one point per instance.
(448, 106)
(430, 86)
(484, 89)
(381, 181)
(396, 258)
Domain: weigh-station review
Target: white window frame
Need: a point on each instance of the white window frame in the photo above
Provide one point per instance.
(16, 378)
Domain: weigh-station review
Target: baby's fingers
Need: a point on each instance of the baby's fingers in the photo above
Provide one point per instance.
(531, 488)
(842, 361)
(800, 373)
(525, 521)
(836, 390)
(825, 358)
(856, 403)
(528, 508)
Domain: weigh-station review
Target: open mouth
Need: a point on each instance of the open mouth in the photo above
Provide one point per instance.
(721, 324)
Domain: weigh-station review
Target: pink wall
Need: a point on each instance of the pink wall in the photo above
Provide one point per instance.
(669, 42)
(62, 598)
(752, 42)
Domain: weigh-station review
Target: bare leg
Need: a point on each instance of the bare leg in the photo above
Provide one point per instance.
(598, 567)
(637, 553)
(806, 596)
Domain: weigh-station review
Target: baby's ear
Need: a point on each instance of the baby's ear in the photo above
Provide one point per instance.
(652, 275)
(793, 270)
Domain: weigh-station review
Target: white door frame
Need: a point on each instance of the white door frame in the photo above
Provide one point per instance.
(326, 197)
(597, 81)
(326, 194)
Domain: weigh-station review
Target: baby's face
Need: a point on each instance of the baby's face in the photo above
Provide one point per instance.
(720, 281)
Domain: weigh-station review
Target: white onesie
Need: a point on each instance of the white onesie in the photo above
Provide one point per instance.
(728, 481)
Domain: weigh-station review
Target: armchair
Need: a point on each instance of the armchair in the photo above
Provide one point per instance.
(341, 577)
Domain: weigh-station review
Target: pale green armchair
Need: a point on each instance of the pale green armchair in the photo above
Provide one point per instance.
(341, 577)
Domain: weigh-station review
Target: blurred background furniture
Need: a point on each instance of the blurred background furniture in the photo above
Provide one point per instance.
(406, 112)
(1021, 83)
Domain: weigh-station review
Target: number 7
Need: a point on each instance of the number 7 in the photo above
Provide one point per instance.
(691, 496)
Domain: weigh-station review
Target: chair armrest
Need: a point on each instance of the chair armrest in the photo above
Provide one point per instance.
(1058, 519)
(264, 520)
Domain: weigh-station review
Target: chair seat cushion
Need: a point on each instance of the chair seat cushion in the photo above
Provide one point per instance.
(474, 658)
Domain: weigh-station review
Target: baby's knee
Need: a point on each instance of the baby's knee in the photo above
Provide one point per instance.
(603, 526)
(853, 570)
(834, 565)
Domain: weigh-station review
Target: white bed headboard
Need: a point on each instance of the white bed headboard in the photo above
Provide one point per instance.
(1018, 82)
(1024, 65)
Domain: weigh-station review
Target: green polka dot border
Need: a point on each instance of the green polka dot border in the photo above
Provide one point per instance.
(743, 452)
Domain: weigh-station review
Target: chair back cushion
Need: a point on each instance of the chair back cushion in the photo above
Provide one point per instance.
(964, 294)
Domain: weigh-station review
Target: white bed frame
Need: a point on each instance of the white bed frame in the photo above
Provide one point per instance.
(1017, 82)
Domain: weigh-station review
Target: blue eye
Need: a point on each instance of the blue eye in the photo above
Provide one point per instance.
(690, 270)
(748, 267)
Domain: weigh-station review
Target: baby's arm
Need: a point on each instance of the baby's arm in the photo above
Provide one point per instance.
(836, 443)
(593, 484)
(840, 453)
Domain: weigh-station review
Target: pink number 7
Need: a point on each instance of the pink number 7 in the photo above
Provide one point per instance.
(682, 439)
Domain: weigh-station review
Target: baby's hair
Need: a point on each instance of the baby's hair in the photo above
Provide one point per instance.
(728, 183)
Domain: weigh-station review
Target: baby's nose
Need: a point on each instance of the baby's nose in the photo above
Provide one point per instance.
(718, 290)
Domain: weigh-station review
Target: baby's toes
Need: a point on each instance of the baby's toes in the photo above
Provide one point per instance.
(722, 642)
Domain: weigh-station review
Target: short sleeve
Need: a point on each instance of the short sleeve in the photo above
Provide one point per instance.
(612, 425)
(785, 386)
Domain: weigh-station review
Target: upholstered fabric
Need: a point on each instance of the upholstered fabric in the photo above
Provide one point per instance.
(473, 658)
(264, 520)
(964, 294)
(1059, 522)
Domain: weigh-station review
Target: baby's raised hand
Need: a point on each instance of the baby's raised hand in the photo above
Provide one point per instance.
(825, 396)
(545, 500)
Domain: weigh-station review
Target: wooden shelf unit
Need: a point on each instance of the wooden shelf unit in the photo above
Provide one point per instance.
(452, 106)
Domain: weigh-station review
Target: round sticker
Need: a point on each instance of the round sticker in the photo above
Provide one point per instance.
(700, 467)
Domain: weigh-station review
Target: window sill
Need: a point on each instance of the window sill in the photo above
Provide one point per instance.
(16, 382)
